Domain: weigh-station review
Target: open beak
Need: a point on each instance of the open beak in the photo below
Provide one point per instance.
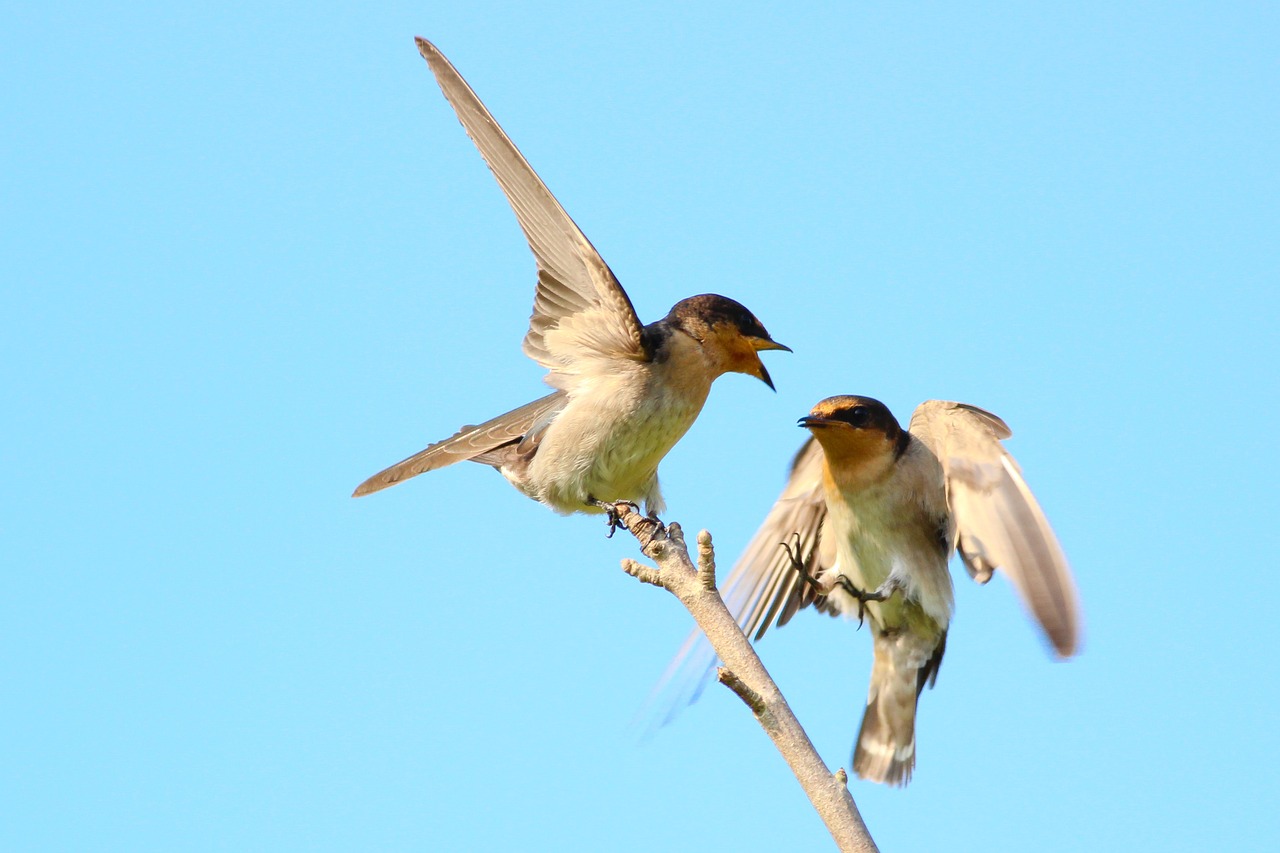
(762, 345)
(763, 375)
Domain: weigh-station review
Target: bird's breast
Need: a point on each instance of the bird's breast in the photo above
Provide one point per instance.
(612, 434)
(890, 528)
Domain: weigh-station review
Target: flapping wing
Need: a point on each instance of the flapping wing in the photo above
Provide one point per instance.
(764, 588)
(468, 443)
(580, 311)
(999, 524)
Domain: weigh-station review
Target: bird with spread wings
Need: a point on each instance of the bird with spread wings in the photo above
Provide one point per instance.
(863, 528)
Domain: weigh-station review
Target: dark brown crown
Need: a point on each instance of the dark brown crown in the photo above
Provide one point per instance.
(698, 313)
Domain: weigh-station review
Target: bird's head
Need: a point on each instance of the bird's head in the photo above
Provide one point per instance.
(859, 435)
(729, 334)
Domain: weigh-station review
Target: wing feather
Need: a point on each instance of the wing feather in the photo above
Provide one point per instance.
(763, 588)
(999, 524)
(580, 311)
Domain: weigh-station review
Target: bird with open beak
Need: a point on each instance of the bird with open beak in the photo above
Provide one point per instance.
(868, 519)
(625, 392)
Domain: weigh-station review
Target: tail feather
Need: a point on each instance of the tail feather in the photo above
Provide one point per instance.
(470, 442)
(886, 747)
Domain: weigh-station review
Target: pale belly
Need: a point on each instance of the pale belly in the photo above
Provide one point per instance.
(876, 540)
(607, 445)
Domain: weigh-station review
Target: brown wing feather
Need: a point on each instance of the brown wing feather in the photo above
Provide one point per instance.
(764, 585)
(763, 588)
(579, 309)
(999, 524)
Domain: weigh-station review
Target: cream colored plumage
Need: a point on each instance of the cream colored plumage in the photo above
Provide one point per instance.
(625, 392)
(876, 510)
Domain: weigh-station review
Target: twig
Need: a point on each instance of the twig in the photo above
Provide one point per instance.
(745, 693)
(743, 672)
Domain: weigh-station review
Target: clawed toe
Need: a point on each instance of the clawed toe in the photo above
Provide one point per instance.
(885, 590)
(659, 529)
(613, 518)
(612, 513)
(799, 561)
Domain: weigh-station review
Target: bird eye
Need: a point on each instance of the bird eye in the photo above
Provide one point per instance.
(858, 417)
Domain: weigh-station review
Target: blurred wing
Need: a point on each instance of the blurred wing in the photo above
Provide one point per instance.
(998, 522)
(764, 588)
(580, 311)
(469, 442)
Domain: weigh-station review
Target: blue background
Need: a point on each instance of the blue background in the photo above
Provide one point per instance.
(249, 258)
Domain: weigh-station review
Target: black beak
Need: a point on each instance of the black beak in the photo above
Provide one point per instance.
(766, 378)
(812, 422)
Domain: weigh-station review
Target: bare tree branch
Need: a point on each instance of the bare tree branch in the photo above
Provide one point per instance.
(743, 672)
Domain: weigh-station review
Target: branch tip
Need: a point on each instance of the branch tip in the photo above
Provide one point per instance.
(643, 573)
(745, 693)
(706, 560)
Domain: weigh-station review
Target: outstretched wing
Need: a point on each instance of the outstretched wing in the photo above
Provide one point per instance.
(764, 587)
(580, 311)
(999, 524)
(469, 442)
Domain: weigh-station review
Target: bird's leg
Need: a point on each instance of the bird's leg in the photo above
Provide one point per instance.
(612, 512)
(886, 589)
(798, 563)
(823, 587)
(659, 529)
(649, 528)
(878, 595)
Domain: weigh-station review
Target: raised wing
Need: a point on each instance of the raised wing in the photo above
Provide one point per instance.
(469, 442)
(580, 311)
(999, 524)
(763, 588)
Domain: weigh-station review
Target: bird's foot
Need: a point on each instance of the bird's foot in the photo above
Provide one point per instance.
(799, 561)
(824, 587)
(882, 592)
(612, 513)
(646, 528)
(863, 596)
(649, 529)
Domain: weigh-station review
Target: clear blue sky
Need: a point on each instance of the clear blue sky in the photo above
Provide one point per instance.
(249, 258)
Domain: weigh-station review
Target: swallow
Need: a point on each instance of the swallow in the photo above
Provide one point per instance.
(625, 392)
(864, 528)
